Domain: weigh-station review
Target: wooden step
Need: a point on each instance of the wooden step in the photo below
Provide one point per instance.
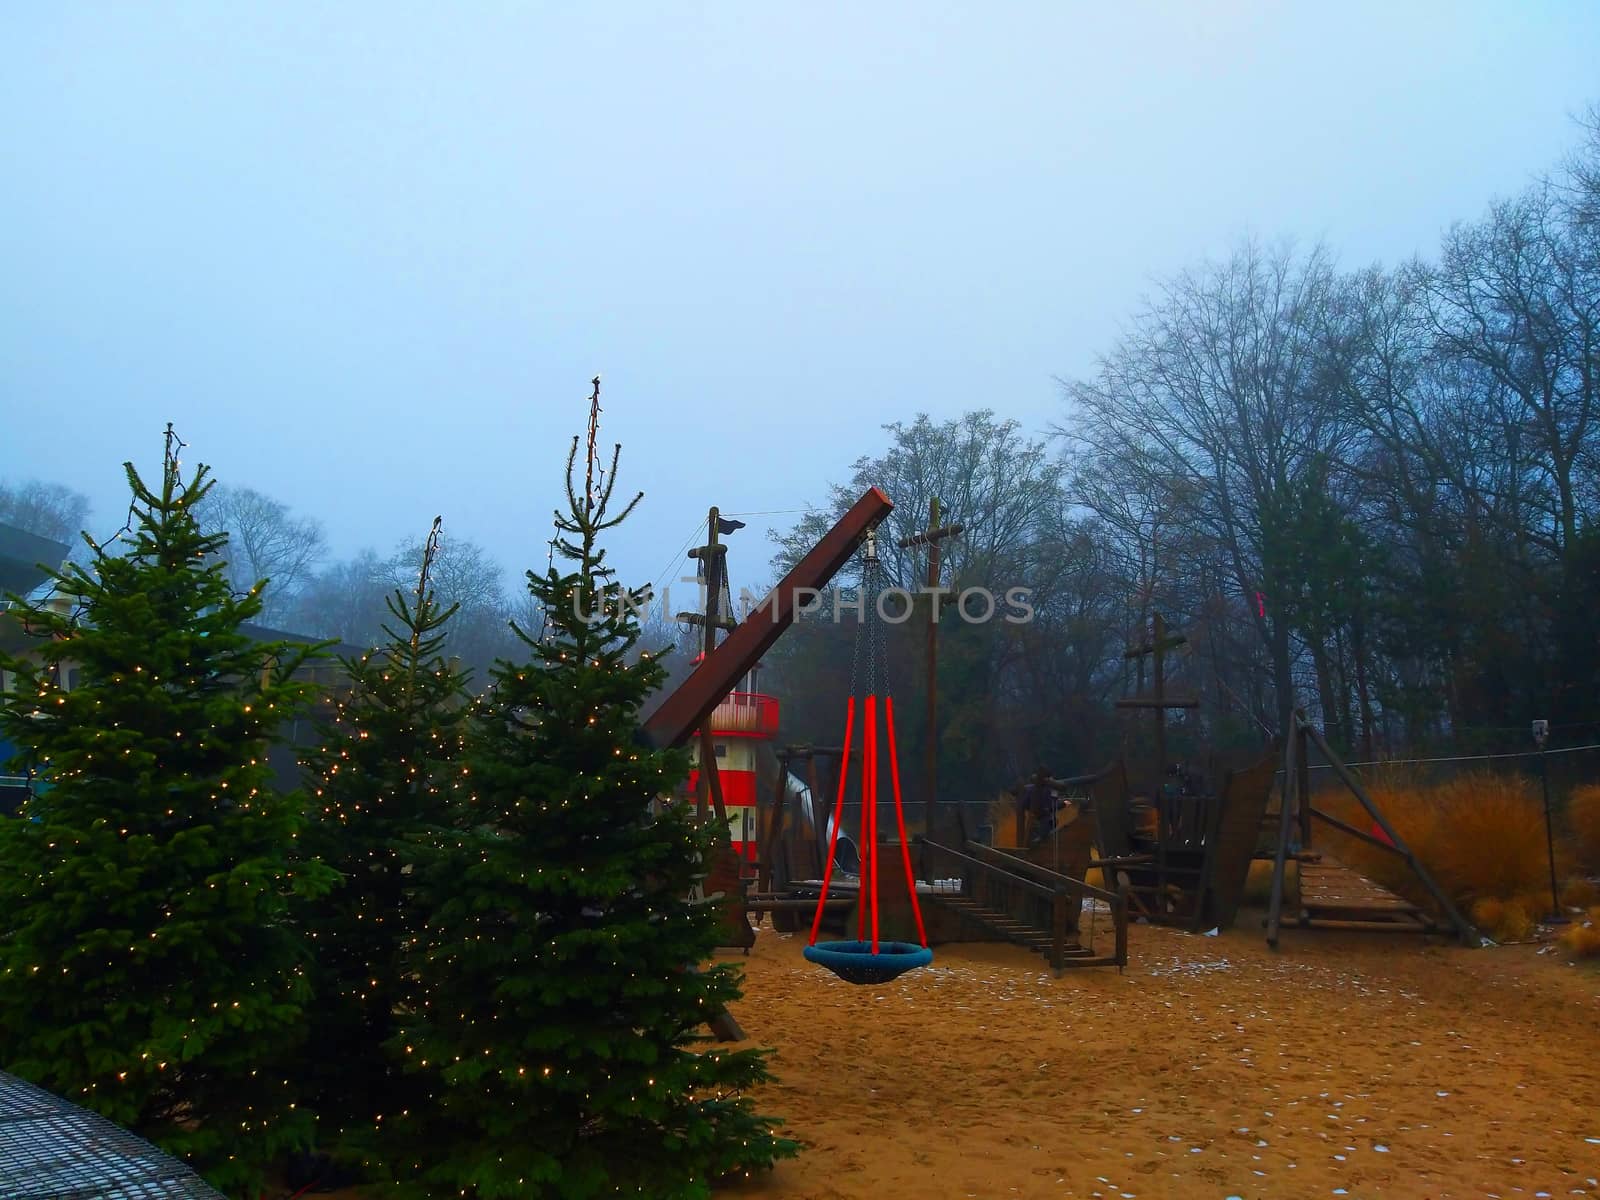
(1368, 926)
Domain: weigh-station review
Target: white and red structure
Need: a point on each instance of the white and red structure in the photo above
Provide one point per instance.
(741, 721)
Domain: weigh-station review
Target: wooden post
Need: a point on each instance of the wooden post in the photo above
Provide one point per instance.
(1120, 917)
(931, 537)
(1303, 787)
(1464, 930)
(1291, 779)
(770, 831)
(1058, 928)
(819, 820)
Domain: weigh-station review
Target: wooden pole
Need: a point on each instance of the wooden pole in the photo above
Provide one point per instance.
(1291, 779)
(770, 831)
(710, 775)
(710, 618)
(931, 537)
(1464, 929)
(1303, 787)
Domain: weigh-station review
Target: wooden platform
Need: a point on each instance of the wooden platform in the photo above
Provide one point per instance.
(1333, 896)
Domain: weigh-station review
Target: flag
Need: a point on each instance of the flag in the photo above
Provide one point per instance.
(726, 526)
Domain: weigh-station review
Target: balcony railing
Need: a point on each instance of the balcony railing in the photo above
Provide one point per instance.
(746, 714)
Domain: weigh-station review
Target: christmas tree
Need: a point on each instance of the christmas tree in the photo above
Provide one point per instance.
(148, 968)
(386, 776)
(561, 1027)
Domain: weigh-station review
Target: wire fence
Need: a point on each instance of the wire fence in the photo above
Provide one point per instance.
(1565, 767)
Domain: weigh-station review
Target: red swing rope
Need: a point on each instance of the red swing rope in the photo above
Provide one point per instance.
(869, 818)
(869, 800)
(838, 818)
(900, 821)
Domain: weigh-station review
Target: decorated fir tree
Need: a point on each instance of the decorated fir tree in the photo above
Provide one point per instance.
(148, 969)
(385, 779)
(561, 1030)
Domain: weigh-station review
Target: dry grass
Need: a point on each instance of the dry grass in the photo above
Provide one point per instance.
(1580, 893)
(1258, 883)
(1583, 818)
(1003, 816)
(1480, 835)
(1503, 920)
(1582, 939)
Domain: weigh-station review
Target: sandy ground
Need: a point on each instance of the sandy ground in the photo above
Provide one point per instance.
(1344, 1065)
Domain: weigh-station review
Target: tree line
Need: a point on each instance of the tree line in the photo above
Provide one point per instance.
(1369, 491)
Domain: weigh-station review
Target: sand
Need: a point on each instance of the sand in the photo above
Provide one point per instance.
(1356, 1065)
(1344, 1065)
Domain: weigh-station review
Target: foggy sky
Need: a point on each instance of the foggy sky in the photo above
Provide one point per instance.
(367, 256)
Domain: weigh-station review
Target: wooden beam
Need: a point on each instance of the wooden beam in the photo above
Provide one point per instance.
(1163, 702)
(931, 536)
(677, 717)
(1352, 831)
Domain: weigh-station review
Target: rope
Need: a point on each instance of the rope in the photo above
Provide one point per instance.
(1398, 762)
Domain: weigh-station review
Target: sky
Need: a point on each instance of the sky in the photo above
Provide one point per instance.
(366, 257)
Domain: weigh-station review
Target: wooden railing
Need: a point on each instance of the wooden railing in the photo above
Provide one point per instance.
(1034, 897)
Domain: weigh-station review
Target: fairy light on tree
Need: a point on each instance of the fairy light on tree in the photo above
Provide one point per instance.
(386, 778)
(154, 875)
(557, 1030)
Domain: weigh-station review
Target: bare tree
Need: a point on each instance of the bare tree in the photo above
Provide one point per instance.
(1514, 297)
(985, 473)
(1217, 401)
(265, 542)
(346, 601)
(48, 510)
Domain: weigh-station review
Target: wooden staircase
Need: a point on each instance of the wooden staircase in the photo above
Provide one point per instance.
(1012, 930)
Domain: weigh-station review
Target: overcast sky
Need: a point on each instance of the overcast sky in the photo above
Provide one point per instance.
(367, 256)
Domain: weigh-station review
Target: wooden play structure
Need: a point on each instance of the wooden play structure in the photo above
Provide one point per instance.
(1332, 896)
(1179, 842)
(967, 892)
(1190, 866)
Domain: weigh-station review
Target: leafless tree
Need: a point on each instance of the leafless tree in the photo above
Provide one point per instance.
(1217, 401)
(49, 510)
(265, 542)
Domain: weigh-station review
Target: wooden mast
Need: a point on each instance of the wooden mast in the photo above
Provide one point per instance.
(1161, 640)
(931, 537)
(712, 557)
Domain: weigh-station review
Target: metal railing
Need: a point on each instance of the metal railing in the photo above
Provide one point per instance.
(748, 713)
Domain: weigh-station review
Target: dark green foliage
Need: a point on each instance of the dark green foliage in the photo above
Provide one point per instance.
(558, 1032)
(386, 777)
(148, 968)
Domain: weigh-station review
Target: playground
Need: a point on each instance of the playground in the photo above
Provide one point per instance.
(1343, 1064)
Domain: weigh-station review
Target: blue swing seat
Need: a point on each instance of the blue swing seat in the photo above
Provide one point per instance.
(854, 962)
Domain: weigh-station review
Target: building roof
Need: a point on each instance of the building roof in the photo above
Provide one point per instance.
(54, 1149)
(21, 554)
